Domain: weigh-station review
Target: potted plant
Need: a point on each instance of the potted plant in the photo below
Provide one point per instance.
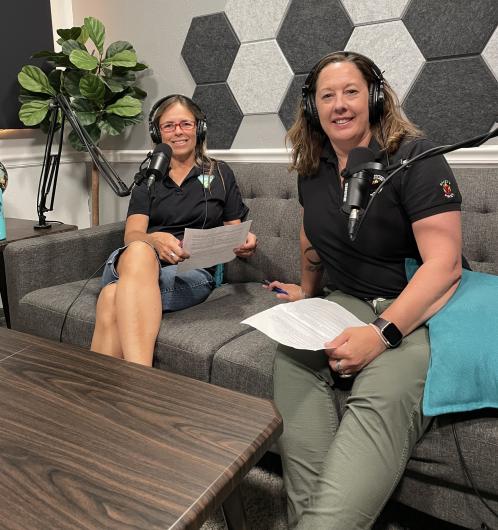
(101, 87)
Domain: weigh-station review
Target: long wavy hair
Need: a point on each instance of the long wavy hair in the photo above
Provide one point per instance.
(306, 141)
(201, 157)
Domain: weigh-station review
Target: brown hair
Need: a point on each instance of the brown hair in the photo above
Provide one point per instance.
(307, 141)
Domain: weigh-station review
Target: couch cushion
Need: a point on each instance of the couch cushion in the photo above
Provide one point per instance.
(187, 340)
(435, 467)
(246, 364)
(270, 191)
(198, 332)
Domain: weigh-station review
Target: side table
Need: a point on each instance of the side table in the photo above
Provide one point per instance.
(18, 229)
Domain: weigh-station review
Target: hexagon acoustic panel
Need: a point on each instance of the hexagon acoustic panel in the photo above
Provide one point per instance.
(454, 99)
(259, 77)
(490, 53)
(257, 19)
(222, 113)
(451, 27)
(292, 101)
(440, 56)
(210, 48)
(378, 41)
(312, 29)
(363, 11)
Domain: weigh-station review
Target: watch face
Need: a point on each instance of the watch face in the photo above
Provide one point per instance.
(392, 334)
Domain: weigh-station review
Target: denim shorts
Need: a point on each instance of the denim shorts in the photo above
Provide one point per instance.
(178, 291)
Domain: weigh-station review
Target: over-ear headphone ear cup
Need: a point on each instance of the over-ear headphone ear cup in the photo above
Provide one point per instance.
(201, 132)
(375, 102)
(155, 133)
(309, 109)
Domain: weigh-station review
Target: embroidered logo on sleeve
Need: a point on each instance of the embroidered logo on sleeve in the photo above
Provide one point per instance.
(206, 180)
(446, 186)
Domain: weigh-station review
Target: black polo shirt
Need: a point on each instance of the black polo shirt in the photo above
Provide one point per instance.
(373, 265)
(202, 201)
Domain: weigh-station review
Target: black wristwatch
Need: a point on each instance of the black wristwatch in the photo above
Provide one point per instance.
(392, 335)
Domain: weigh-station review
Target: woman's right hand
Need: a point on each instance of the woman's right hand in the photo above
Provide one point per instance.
(294, 292)
(168, 247)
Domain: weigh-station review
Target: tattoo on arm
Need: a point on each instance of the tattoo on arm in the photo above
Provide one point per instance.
(314, 265)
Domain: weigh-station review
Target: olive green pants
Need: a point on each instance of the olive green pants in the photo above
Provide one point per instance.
(346, 442)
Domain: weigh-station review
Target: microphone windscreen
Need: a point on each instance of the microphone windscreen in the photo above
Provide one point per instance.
(163, 148)
(358, 156)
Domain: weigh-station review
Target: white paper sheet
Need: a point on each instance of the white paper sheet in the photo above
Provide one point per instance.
(305, 324)
(213, 245)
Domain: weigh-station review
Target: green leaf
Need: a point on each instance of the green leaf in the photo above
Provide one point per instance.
(126, 58)
(69, 45)
(112, 125)
(92, 130)
(71, 82)
(117, 47)
(82, 59)
(92, 87)
(139, 66)
(68, 34)
(113, 84)
(86, 118)
(84, 35)
(96, 32)
(126, 106)
(33, 112)
(137, 92)
(55, 78)
(124, 78)
(33, 79)
(26, 95)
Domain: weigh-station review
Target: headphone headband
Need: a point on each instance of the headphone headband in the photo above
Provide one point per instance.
(375, 90)
(201, 122)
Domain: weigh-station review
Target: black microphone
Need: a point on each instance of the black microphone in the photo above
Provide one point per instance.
(159, 163)
(358, 176)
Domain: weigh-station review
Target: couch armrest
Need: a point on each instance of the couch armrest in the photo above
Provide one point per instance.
(54, 259)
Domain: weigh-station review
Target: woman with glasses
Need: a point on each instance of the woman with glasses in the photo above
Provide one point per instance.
(140, 279)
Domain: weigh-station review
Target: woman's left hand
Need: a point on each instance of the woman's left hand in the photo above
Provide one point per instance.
(248, 248)
(353, 349)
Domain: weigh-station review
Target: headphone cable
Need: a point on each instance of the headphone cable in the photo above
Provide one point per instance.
(76, 298)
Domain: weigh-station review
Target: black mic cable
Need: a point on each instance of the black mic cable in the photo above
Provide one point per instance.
(475, 141)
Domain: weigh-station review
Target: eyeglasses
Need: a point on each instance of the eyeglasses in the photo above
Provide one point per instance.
(169, 126)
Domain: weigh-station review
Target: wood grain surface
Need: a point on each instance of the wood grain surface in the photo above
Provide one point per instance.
(91, 442)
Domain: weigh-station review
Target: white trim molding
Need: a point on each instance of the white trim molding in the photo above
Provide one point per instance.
(485, 156)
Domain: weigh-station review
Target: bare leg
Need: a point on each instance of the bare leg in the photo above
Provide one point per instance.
(105, 335)
(138, 302)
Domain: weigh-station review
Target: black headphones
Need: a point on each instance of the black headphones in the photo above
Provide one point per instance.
(201, 123)
(375, 91)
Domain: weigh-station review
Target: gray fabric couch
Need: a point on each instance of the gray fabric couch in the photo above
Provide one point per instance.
(207, 342)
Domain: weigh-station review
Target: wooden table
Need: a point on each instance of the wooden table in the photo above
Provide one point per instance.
(92, 442)
(18, 229)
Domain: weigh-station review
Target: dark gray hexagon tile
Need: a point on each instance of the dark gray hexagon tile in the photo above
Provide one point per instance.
(292, 101)
(454, 99)
(222, 113)
(210, 48)
(443, 28)
(309, 32)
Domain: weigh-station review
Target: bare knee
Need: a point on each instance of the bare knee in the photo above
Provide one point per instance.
(138, 259)
(106, 306)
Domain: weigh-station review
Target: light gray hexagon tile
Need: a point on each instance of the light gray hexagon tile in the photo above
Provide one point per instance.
(256, 19)
(392, 49)
(490, 53)
(259, 77)
(260, 131)
(363, 11)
